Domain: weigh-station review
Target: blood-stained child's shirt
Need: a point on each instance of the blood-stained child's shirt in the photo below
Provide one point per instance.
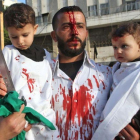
(78, 104)
(33, 81)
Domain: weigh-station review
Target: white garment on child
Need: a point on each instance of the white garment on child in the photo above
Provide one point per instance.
(123, 103)
(33, 81)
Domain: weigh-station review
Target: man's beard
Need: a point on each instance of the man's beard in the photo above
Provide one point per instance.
(65, 50)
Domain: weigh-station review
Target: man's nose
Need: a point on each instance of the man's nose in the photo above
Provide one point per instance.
(74, 30)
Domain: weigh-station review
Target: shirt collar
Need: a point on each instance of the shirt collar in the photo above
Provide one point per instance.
(86, 60)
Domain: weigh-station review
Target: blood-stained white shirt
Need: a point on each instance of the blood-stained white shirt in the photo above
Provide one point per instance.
(78, 104)
(33, 81)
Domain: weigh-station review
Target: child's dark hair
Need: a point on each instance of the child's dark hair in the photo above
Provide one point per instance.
(63, 10)
(18, 15)
(131, 28)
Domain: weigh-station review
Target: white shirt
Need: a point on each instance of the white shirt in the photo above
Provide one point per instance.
(124, 101)
(33, 81)
(78, 104)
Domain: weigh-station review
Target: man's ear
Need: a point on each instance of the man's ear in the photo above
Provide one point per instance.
(53, 35)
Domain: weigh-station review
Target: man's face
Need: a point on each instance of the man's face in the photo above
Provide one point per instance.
(22, 38)
(71, 33)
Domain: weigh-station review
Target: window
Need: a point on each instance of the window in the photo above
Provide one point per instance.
(104, 9)
(92, 10)
(131, 5)
(45, 18)
(38, 20)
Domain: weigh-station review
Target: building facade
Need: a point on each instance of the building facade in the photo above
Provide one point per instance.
(102, 16)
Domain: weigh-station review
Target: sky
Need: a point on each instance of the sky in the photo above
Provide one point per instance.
(22, 1)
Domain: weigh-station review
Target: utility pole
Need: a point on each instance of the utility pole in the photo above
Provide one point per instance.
(1, 25)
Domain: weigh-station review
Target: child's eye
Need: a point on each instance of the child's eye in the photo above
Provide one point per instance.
(124, 46)
(14, 37)
(115, 48)
(25, 35)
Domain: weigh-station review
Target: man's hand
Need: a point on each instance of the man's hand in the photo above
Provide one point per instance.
(3, 89)
(129, 133)
(12, 125)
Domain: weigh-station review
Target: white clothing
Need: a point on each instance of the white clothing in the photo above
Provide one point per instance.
(78, 104)
(124, 101)
(33, 81)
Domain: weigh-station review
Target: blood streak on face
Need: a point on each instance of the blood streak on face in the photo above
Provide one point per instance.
(115, 38)
(73, 24)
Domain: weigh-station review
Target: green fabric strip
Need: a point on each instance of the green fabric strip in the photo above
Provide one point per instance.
(10, 103)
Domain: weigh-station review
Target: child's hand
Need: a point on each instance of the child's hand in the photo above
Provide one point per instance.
(3, 89)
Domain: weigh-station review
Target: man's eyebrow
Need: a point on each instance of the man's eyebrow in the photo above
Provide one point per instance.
(77, 23)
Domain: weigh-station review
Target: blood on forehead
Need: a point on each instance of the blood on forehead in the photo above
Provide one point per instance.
(73, 22)
(118, 37)
(115, 38)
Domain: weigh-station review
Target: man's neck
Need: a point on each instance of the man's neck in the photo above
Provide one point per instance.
(66, 59)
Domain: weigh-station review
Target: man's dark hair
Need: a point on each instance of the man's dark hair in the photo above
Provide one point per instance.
(131, 28)
(18, 15)
(63, 10)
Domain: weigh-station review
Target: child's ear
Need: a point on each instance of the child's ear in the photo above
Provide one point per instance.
(35, 28)
(53, 35)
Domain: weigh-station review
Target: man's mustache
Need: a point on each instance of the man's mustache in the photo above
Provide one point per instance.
(74, 38)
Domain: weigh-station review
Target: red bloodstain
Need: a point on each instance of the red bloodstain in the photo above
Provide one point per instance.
(73, 22)
(56, 98)
(115, 38)
(17, 57)
(30, 81)
(77, 106)
(108, 69)
(54, 60)
(90, 83)
(52, 102)
(94, 110)
(103, 84)
(97, 83)
(29, 98)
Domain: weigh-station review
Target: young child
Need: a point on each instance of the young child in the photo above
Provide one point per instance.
(29, 67)
(124, 101)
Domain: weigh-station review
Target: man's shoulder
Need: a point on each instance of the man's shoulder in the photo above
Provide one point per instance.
(100, 66)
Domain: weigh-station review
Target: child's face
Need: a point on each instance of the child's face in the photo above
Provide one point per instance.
(22, 38)
(126, 48)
